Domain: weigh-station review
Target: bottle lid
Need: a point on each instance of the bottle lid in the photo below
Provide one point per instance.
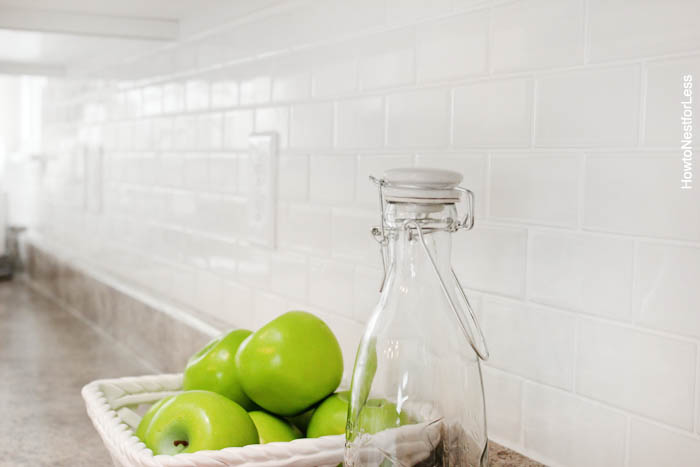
(421, 185)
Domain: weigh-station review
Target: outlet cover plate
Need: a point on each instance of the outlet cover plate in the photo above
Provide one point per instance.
(262, 189)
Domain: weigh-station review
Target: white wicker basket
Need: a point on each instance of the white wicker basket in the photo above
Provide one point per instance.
(111, 405)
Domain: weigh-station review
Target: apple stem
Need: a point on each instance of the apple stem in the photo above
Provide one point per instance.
(181, 443)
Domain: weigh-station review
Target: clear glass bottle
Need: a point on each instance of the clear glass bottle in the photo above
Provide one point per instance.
(417, 395)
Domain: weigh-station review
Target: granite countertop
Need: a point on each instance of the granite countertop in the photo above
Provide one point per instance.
(46, 356)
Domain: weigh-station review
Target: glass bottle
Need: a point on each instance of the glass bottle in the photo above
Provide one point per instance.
(417, 396)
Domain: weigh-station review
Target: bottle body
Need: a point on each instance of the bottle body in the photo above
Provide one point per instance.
(417, 394)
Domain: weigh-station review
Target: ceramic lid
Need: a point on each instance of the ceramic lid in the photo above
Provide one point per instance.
(421, 185)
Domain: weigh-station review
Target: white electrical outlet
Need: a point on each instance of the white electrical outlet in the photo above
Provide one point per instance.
(262, 189)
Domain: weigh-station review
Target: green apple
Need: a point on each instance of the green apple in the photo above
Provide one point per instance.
(291, 363)
(273, 429)
(199, 420)
(148, 416)
(302, 420)
(213, 368)
(330, 418)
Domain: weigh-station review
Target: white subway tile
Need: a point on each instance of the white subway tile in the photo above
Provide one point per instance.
(366, 291)
(334, 77)
(588, 108)
(171, 169)
(571, 431)
(473, 169)
(266, 307)
(274, 119)
(491, 259)
(619, 29)
(537, 34)
(582, 272)
(152, 100)
(664, 297)
(237, 127)
(652, 445)
(210, 131)
(351, 239)
(222, 257)
(254, 266)
(224, 93)
(312, 125)
(237, 306)
(173, 97)
(418, 118)
(255, 90)
(330, 286)
(644, 373)
(366, 191)
(360, 122)
(293, 178)
(289, 275)
(208, 291)
(291, 86)
(308, 229)
(331, 179)
(664, 93)
(535, 188)
(387, 60)
(452, 47)
(496, 113)
(529, 341)
(185, 132)
(401, 12)
(195, 171)
(223, 172)
(503, 405)
(196, 94)
(640, 194)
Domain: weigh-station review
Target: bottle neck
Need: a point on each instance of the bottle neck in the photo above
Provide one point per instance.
(406, 253)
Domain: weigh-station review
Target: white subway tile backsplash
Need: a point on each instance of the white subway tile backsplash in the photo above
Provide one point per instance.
(331, 179)
(238, 125)
(312, 125)
(418, 118)
(293, 181)
(223, 172)
(308, 229)
(596, 107)
(652, 445)
(173, 97)
(409, 11)
(491, 259)
(535, 188)
(351, 239)
(537, 34)
(387, 60)
(637, 371)
(664, 297)
(452, 47)
(569, 430)
(224, 93)
(619, 29)
(366, 291)
(288, 275)
(334, 78)
(256, 90)
(503, 405)
(330, 286)
(196, 94)
(360, 123)
(274, 119)
(532, 342)
(663, 111)
(494, 113)
(291, 86)
(582, 272)
(210, 131)
(195, 171)
(647, 200)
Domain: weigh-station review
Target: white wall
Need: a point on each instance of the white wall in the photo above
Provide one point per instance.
(563, 115)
